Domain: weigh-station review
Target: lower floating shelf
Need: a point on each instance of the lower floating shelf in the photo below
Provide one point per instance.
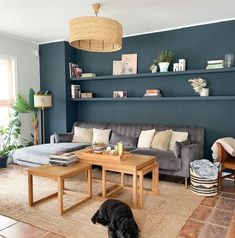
(192, 98)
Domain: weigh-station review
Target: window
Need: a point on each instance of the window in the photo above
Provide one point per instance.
(7, 87)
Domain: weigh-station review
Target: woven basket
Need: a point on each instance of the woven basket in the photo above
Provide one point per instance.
(202, 186)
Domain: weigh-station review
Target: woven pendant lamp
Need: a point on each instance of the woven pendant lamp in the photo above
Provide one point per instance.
(96, 34)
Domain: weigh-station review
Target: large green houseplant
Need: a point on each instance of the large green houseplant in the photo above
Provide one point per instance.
(22, 106)
(10, 138)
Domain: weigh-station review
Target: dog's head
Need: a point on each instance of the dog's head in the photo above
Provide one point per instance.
(128, 228)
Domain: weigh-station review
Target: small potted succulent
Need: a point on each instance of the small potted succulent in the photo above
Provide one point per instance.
(164, 59)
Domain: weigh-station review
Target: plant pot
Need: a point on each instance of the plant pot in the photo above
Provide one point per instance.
(3, 161)
(204, 92)
(153, 68)
(164, 66)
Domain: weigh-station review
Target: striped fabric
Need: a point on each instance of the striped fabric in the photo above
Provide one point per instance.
(202, 186)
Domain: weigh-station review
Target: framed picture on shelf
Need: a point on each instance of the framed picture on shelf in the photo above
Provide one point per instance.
(119, 94)
(74, 71)
(129, 64)
(117, 67)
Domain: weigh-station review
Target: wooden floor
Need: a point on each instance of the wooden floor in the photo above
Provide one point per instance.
(214, 218)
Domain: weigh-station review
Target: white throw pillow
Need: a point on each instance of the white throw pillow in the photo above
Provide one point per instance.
(82, 135)
(101, 136)
(177, 136)
(145, 138)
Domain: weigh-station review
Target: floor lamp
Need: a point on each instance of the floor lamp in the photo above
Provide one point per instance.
(43, 101)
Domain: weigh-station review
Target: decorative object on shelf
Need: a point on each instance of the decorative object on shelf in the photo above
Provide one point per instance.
(129, 64)
(164, 59)
(176, 67)
(87, 95)
(215, 64)
(74, 71)
(117, 67)
(152, 92)
(75, 91)
(119, 94)
(42, 101)
(88, 75)
(198, 84)
(205, 92)
(95, 34)
(229, 60)
(153, 68)
(182, 64)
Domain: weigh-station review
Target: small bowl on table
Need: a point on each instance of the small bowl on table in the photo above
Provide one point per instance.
(98, 147)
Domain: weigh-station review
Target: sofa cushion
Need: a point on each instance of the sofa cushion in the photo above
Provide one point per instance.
(161, 140)
(128, 141)
(63, 137)
(101, 136)
(166, 159)
(39, 154)
(178, 146)
(146, 138)
(177, 136)
(82, 135)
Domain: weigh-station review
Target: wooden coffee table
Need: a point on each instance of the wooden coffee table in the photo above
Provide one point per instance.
(133, 165)
(59, 173)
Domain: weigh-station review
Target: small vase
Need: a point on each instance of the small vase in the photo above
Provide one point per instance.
(3, 161)
(164, 66)
(153, 68)
(204, 92)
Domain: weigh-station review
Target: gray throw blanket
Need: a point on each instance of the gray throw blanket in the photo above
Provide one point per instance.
(205, 168)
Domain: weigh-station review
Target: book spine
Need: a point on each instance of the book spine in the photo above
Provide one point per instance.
(215, 62)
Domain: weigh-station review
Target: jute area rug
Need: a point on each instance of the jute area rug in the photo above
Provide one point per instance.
(162, 216)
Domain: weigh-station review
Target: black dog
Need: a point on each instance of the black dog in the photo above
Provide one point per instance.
(119, 219)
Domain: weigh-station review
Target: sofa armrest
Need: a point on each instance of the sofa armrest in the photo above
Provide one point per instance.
(52, 139)
(188, 154)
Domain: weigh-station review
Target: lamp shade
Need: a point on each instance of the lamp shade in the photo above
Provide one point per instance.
(96, 34)
(42, 101)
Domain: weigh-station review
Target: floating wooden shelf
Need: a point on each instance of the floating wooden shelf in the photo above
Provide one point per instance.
(192, 98)
(154, 75)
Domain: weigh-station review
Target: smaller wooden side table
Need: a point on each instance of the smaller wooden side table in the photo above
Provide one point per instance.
(59, 173)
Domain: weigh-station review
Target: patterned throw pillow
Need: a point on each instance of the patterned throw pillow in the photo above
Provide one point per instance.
(161, 140)
(82, 135)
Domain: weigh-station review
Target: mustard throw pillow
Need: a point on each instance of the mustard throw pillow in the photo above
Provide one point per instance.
(161, 140)
(82, 135)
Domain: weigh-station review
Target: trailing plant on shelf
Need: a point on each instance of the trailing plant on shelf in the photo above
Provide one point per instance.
(10, 138)
(22, 106)
(163, 59)
(198, 84)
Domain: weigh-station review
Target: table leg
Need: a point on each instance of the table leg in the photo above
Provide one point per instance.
(60, 195)
(155, 178)
(30, 189)
(141, 188)
(89, 175)
(122, 180)
(103, 182)
(135, 189)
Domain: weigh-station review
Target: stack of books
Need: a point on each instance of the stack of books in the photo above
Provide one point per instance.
(152, 92)
(63, 159)
(215, 64)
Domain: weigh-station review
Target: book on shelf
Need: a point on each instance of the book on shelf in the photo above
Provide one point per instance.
(74, 71)
(152, 92)
(87, 95)
(215, 66)
(88, 75)
(215, 62)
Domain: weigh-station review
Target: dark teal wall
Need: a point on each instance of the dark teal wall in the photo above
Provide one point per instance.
(196, 44)
(54, 76)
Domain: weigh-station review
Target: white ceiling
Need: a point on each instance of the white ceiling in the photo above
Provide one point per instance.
(47, 20)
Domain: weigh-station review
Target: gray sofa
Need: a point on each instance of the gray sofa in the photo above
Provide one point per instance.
(168, 163)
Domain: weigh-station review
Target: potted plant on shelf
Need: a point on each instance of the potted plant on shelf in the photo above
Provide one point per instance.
(164, 59)
(10, 138)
